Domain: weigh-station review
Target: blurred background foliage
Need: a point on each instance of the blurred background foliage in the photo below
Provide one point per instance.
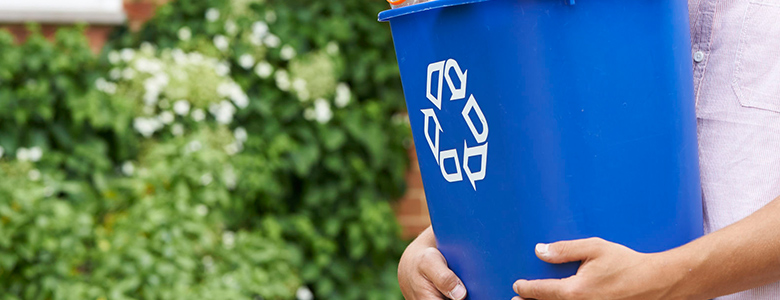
(240, 149)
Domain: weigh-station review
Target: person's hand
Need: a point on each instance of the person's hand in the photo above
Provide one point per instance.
(423, 273)
(608, 271)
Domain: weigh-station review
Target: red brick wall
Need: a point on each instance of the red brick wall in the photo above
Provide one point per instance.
(96, 34)
(411, 210)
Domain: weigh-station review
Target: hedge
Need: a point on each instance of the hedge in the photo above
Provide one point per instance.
(228, 150)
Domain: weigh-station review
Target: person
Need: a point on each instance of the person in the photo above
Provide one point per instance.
(736, 63)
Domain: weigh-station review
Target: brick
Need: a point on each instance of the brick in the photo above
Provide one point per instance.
(96, 34)
(413, 226)
(138, 12)
(408, 207)
(414, 178)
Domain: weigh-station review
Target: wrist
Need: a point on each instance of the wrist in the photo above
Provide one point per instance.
(678, 268)
(426, 239)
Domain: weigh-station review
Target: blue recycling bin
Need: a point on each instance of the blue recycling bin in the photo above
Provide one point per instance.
(547, 120)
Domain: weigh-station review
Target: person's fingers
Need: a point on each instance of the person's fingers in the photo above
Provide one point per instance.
(569, 251)
(547, 289)
(434, 267)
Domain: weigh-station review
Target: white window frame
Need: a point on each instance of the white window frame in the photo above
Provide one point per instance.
(108, 12)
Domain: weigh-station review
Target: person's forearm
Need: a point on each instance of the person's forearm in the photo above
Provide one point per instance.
(741, 256)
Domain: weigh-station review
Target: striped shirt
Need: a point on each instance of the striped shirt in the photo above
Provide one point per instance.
(736, 63)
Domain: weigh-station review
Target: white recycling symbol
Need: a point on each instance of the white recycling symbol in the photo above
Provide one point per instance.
(443, 69)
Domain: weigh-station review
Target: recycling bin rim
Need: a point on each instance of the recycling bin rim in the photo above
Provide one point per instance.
(434, 4)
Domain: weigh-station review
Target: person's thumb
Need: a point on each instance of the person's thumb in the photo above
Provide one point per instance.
(434, 267)
(569, 251)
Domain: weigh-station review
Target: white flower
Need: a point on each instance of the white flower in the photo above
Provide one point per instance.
(308, 114)
(303, 95)
(208, 262)
(110, 88)
(228, 239)
(270, 16)
(240, 134)
(127, 54)
(128, 73)
(2, 151)
(164, 104)
(303, 293)
(246, 61)
(22, 154)
(153, 86)
(35, 154)
(162, 79)
(221, 42)
(272, 41)
(128, 168)
(332, 48)
(166, 117)
(230, 27)
(223, 112)
(179, 56)
(151, 66)
(198, 115)
(287, 52)
(185, 33)
(229, 177)
(201, 210)
(233, 148)
(299, 84)
(147, 48)
(195, 57)
(222, 69)
(115, 74)
(181, 107)
(177, 129)
(212, 14)
(255, 40)
(264, 69)
(224, 89)
(114, 57)
(193, 146)
(322, 112)
(259, 29)
(282, 80)
(100, 82)
(48, 191)
(150, 97)
(105, 86)
(234, 92)
(343, 95)
(206, 179)
(148, 110)
(34, 175)
(240, 99)
(146, 126)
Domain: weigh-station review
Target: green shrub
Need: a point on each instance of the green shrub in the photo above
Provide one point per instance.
(228, 150)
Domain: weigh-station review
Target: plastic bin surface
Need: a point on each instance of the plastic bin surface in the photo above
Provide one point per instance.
(539, 121)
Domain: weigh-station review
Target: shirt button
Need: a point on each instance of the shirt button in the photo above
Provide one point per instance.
(698, 56)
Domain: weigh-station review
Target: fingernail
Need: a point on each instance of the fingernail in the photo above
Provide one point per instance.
(516, 285)
(542, 249)
(459, 292)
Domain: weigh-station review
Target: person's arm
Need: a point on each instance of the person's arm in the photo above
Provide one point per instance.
(423, 273)
(739, 257)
